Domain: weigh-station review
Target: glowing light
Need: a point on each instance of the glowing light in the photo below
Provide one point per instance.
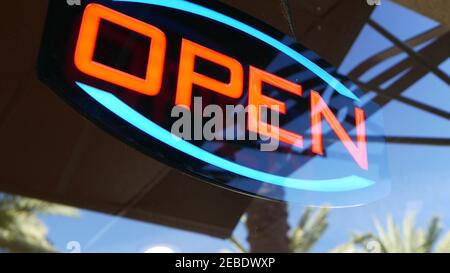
(187, 76)
(319, 108)
(86, 46)
(128, 114)
(256, 98)
(224, 19)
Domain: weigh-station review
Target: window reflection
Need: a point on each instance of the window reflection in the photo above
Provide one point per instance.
(401, 60)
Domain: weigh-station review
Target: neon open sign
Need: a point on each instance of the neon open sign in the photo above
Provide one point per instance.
(137, 59)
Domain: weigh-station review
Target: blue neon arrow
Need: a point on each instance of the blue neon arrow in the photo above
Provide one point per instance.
(127, 113)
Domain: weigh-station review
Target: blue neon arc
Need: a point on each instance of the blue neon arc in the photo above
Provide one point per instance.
(224, 19)
(127, 113)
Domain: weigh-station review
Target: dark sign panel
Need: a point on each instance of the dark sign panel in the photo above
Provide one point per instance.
(168, 76)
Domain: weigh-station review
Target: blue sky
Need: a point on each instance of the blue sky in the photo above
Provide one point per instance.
(419, 175)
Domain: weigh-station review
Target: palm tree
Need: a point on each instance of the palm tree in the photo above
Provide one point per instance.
(267, 226)
(20, 228)
(302, 238)
(309, 229)
(396, 239)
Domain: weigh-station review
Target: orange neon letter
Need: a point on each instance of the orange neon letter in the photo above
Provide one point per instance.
(258, 100)
(87, 38)
(187, 75)
(318, 109)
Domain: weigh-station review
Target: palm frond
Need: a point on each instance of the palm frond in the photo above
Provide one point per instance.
(21, 230)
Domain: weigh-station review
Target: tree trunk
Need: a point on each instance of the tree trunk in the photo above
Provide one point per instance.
(267, 226)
